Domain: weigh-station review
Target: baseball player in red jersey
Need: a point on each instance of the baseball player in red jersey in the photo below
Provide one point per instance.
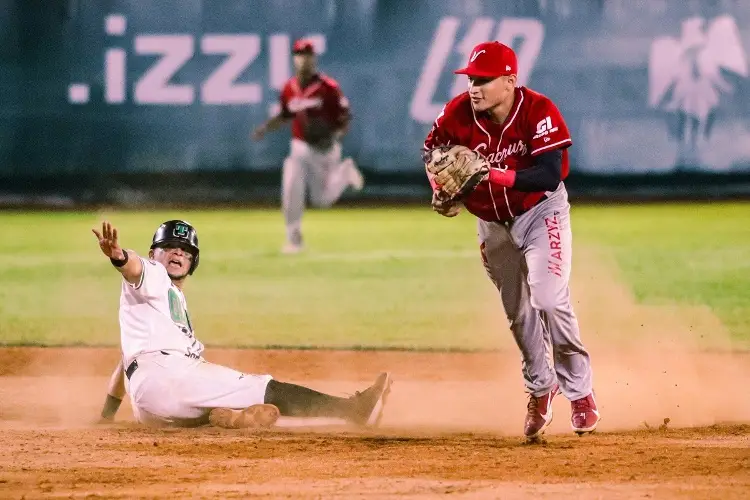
(524, 229)
(320, 116)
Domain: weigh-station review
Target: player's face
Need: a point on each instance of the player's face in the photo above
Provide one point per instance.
(304, 63)
(175, 258)
(486, 93)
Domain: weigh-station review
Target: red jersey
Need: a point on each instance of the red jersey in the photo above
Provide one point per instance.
(321, 100)
(533, 126)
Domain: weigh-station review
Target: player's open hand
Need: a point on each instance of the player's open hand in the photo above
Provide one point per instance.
(108, 241)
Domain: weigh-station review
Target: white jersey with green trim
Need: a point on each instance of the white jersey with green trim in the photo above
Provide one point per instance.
(154, 316)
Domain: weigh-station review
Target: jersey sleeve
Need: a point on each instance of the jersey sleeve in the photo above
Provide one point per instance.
(154, 281)
(549, 130)
(439, 135)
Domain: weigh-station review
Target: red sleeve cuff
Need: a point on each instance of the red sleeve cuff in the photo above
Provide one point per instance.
(504, 178)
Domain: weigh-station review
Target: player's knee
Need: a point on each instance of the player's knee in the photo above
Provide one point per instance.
(566, 350)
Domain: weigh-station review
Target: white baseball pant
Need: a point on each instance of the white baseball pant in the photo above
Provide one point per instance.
(177, 390)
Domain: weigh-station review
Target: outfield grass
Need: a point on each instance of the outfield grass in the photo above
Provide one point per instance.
(685, 253)
(401, 278)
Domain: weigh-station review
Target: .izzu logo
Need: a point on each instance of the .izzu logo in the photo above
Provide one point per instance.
(174, 51)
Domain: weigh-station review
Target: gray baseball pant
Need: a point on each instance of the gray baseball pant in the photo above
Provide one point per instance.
(529, 261)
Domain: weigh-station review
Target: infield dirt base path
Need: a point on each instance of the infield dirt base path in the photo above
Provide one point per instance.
(452, 426)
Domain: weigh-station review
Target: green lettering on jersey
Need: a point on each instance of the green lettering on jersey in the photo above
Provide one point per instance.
(178, 313)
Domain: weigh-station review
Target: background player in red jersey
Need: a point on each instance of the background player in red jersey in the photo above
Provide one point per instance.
(320, 116)
(524, 224)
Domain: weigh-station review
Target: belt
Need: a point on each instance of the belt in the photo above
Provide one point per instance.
(544, 197)
(132, 367)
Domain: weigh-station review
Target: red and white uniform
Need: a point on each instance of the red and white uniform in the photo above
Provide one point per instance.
(321, 100)
(314, 168)
(533, 126)
(525, 238)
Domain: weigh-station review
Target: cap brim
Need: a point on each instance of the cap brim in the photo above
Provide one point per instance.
(482, 74)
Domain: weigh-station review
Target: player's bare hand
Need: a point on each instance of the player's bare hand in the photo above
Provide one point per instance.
(108, 241)
(444, 206)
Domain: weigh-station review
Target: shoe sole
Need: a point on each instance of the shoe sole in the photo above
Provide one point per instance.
(253, 417)
(587, 430)
(377, 412)
(539, 433)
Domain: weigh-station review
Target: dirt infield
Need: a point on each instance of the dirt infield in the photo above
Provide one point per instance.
(452, 427)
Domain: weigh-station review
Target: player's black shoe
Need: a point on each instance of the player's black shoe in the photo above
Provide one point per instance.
(367, 406)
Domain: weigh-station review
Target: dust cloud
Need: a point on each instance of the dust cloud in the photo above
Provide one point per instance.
(650, 362)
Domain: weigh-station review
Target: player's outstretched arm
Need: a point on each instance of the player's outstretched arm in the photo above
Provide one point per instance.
(269, 126)
(115, 393)
(125, 261)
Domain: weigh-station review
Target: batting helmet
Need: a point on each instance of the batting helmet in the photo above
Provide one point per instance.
(178, 231)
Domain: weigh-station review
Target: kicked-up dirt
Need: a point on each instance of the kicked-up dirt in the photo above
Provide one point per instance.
(452, 427)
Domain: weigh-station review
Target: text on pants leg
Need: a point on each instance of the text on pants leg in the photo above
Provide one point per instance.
(554, 261)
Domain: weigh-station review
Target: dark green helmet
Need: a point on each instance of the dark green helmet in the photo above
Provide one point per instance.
(178, 231)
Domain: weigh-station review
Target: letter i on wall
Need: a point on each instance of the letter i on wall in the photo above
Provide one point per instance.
(115, 60)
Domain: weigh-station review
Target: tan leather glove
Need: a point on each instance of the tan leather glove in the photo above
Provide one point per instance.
(456, 169)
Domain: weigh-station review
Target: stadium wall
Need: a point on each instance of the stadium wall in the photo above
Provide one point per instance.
(655, 93)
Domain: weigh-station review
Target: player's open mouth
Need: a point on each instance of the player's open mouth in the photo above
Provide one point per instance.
(176, 262)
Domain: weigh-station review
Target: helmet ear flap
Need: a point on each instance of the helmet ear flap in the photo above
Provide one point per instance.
(194, 263)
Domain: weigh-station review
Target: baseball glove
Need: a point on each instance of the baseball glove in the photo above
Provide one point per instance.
(319, 134)
(456, 169)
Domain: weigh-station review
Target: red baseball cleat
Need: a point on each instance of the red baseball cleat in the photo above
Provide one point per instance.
(585, 416)
(539, 414)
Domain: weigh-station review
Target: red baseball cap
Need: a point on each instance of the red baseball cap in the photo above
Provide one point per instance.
(490, 60)
(303, 46)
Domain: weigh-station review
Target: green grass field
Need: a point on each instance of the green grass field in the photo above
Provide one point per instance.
(382, 278)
